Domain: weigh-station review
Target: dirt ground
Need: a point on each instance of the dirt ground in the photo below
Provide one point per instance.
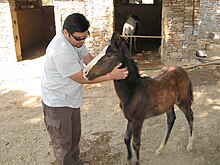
(24, 140)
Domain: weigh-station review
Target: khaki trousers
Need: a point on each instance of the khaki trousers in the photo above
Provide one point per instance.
(64, 127)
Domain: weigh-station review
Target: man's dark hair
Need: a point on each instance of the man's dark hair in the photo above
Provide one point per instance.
(76, 22)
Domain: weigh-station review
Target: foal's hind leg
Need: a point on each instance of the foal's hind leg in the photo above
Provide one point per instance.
(127, 140)
(190, 119)
(170, 121)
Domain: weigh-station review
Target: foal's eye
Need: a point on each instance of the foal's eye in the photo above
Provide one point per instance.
(108, 55)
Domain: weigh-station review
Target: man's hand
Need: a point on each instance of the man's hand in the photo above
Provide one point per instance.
(118, 74)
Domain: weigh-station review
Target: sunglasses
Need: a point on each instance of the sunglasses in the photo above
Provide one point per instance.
(80, 38)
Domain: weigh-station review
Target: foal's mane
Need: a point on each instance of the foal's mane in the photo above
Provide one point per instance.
(127, 61)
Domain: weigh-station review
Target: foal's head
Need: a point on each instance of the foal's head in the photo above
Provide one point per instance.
(113, 55)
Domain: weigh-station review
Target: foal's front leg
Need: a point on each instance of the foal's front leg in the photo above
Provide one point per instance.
(127, 140)
(136, 128)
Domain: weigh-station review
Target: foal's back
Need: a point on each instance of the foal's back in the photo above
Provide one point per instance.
(154, 96)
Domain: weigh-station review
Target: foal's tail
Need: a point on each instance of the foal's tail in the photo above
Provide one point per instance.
(191, 93)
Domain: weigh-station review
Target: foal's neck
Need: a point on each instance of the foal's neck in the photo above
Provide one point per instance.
(133, 72)
(125, 88)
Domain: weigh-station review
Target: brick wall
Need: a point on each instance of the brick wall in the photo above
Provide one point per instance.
(209, 21)
(98, 12)
(186, 25)
(180, 30)
(7, 46)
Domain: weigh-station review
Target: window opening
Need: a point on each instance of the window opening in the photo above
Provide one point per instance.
(47, 3)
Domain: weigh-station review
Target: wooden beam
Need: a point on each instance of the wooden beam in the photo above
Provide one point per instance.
(137, 36)
(15, 30)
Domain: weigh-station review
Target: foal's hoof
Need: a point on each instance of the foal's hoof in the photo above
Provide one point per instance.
(157, 153)
(128, 162)
(159, 150)
(137, 163)
(189, 147)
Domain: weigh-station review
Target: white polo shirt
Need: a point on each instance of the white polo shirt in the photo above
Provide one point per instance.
(61, 61)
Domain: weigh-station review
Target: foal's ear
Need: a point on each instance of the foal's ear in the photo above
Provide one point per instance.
(116, 39)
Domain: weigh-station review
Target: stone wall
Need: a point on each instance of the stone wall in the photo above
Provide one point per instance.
(180, 30)
(98, 12)
(186, 25)
(7, 46)
(209, 22)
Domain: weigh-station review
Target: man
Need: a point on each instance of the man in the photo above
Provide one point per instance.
(62, 87)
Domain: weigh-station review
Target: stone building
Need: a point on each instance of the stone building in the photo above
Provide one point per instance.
(178, 27)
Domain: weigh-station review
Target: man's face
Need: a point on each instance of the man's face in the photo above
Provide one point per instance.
(78, 38)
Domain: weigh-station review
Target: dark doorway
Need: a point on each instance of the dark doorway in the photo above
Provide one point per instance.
(34, 27)
(149, 14)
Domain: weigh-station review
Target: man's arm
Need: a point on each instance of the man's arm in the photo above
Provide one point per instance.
(87, 58)
(115, 74)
